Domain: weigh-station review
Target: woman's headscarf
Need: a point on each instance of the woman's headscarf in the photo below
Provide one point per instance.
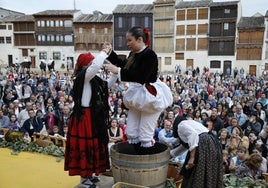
(83, 60)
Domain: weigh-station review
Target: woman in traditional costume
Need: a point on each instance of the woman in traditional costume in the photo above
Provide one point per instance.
(146, 96)
(87, 139)
(204, 161)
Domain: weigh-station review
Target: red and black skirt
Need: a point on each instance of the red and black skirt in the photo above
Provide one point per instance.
(85, 154)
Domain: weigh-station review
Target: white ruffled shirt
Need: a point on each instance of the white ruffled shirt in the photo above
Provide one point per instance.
(189, 131)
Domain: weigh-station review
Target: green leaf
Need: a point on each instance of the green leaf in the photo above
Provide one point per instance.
(19, 145)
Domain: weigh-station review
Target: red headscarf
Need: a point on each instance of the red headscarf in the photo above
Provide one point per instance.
(84, 59)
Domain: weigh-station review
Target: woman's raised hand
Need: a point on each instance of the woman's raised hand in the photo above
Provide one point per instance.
(107, 48)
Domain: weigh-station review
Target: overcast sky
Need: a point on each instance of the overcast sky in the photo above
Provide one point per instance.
(249, 7)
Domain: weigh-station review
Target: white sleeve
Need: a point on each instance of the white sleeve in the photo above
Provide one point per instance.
(188, 135)
(111, 81)
(95, 66)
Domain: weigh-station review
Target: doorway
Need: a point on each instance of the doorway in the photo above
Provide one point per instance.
(252, 69)
(189, 64)
(33, 61)
(10, 60)
(227, 66)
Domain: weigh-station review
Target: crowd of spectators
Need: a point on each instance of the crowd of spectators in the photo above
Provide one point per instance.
(35, 102)
(233, 106)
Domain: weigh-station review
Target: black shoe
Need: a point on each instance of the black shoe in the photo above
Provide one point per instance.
(95, 179)
(88, 183)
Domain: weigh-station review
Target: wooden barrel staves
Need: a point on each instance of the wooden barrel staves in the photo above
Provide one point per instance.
(146, 170)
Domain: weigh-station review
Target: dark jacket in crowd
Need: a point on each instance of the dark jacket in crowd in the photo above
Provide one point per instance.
(32, 125)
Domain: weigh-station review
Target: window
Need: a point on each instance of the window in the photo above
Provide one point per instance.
(59, 38)
(43, 37)
(227, 11)
(8, 40)
(180, 15)
(146, 21)
(24, 52)
(48, 38)
(202, 28)
(68, 38)
(93, 30)
(3, 27)
(180, 44)
(190, 44)
(42, 23)
(191, 30)
(120, 22)
(202, 44)
(226, 26)
(167, 60)
(9, 27)
(180, 30)
(133, 21)
(167, 8)
(191, 14)
(80, 30)
(2, 40)
(179, 56)
(58, 23)
(38, 23)
(42, 55)
(105, 30)
(68, 23)
(52, 38)
(56, 56)
(215, 64)
(51, 23)
(203, 13)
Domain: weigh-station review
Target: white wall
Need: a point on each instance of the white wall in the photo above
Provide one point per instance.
(66, 51)
(7, 49)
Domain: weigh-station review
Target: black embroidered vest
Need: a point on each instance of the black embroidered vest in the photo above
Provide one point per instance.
(99, 104)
